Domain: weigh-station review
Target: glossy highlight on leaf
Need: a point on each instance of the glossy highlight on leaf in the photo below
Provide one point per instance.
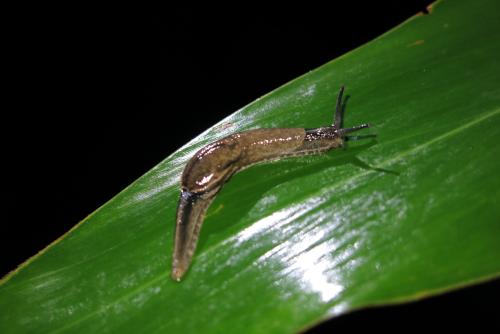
(409, 213)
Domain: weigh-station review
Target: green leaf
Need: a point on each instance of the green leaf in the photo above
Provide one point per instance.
(411, 213)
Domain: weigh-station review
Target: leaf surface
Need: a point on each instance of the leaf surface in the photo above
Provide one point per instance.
(410, 213)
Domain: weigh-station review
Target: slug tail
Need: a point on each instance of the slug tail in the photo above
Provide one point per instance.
(190, 214)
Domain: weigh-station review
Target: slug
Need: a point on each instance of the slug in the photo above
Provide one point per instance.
(213, 165)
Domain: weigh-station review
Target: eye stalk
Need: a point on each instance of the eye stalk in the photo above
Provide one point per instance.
(344, 131)
(337, 121)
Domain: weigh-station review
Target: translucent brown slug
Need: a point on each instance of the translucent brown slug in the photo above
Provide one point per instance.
(213, 165)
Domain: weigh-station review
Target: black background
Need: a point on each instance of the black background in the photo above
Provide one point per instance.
(96, 97)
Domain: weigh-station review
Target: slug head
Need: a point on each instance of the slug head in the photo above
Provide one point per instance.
(334, 133)
(336, 127)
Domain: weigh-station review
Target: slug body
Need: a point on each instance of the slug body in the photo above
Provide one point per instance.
(213, 165)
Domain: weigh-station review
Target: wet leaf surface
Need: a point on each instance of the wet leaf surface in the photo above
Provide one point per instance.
(409, 213)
